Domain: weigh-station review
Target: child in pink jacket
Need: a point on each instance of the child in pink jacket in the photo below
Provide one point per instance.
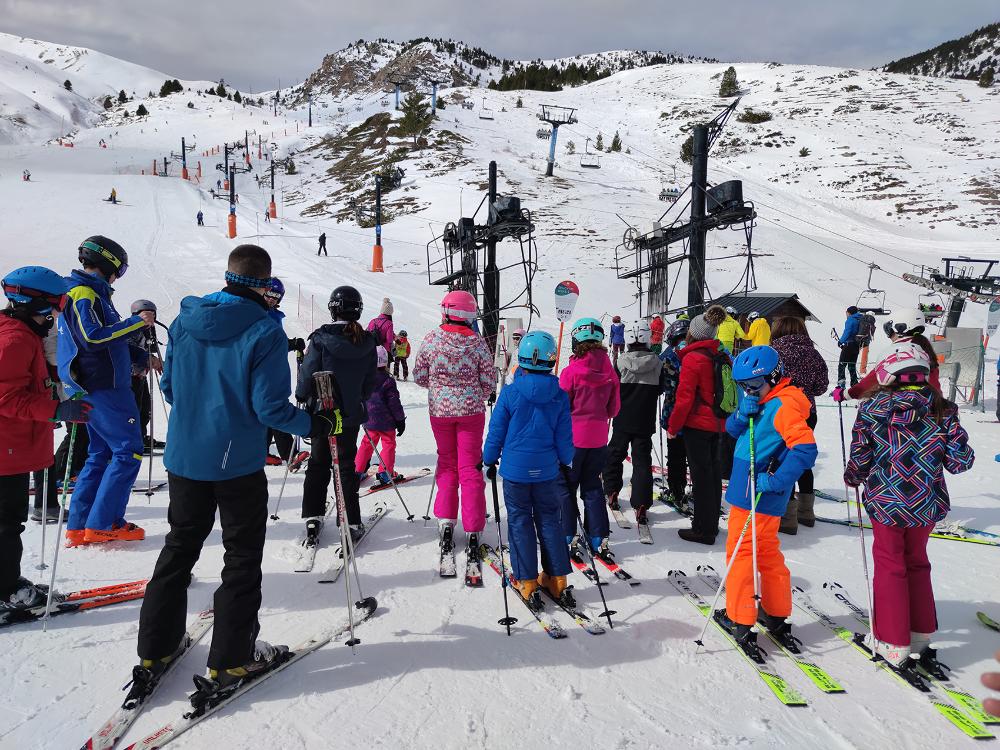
(593, 388)
(456, 367)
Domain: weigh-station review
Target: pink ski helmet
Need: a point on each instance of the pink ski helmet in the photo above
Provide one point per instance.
(459, 307)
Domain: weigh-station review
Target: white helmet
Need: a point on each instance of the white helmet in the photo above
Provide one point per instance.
(907, 363)
(753, 316)
(908, 324)
(639, 333)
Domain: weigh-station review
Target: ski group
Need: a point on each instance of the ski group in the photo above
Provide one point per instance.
(741, 419)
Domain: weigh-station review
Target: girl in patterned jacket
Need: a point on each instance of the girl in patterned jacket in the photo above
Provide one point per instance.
(904, 438)
(456, 367)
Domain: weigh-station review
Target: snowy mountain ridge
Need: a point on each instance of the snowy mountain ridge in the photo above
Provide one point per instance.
(966, 57)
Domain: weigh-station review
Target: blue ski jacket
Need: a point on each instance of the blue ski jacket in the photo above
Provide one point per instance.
(226, 377)
(618, 334)
(851, 327)
(95, 350)
(531, 426)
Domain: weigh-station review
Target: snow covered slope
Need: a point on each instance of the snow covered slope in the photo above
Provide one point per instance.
(434, 669)
(966, 57)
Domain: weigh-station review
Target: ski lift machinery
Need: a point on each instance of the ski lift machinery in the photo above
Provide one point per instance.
(872, 300)
(485, 113)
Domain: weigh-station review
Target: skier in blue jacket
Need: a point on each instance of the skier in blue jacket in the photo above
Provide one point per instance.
(617, 339)
(850, 347)
(531, 427)
(96, 351)
(226, 377)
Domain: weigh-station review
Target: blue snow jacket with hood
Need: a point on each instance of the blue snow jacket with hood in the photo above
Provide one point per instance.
(226, 376)
(532, 427)
(851, 327)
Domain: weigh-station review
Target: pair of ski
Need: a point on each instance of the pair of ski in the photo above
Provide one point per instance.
(579, 556)
(958, 706)
(448, 564)
(645, 535)
(552, 627)
(78, 601)
(943, 530)
(119, 722)
(778, 685)
(332, 573)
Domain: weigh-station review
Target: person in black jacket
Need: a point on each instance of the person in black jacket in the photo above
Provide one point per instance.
(344, 348)
(641, 376)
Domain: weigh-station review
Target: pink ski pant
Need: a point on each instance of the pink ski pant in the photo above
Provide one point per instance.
(903, 597)
(460, 450)
(387, 449)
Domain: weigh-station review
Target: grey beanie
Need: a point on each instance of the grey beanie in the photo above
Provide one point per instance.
(705, 326)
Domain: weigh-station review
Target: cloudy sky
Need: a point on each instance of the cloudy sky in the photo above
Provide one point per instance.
(253, 43)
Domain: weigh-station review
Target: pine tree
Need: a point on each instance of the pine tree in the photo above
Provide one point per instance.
(616, 143)
(416, 119)
(67, 85)
(141, 111)
(237, 97)
(570, 147)
(107, 102)
(122, 97)
(290, 167)
(519, 103)
(220, 90)
(730, 86)
(986, 79)
(687, 150)
(599, 143)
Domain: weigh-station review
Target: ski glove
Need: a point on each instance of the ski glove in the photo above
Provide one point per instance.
(296, 345)
(72, 411)
(838, 394)
(491, 472)
(767, 483)
(749, 407)
(400, 427)
(492, 399)
(326, 424)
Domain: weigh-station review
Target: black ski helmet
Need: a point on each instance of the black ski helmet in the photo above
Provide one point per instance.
(143, 305)
(107, 255)
(346, 303)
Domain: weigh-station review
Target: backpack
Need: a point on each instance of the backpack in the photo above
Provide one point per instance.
(866, 329)
(724, 387)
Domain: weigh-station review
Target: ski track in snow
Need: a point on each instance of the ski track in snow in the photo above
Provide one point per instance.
(434, 668)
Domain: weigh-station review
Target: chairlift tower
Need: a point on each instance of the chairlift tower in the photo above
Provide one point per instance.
(434, 94)
(555, 116)
(397, 81)
(964, 280)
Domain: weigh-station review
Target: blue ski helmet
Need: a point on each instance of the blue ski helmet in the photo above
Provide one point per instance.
(276, 292)
(758, 362)
(36, 288)
(537, 351)
(588, 329)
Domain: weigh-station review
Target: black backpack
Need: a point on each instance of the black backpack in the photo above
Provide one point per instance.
(866, 329)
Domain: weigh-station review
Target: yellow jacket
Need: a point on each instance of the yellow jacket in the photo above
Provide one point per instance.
(729, 330)
(759, 333)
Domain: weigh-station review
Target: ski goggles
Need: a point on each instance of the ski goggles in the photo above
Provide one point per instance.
(119, 265)
(272, 296)
(39, 302)
(753, 385)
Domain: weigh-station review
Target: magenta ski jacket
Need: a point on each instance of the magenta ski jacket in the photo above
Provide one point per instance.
(594, 397)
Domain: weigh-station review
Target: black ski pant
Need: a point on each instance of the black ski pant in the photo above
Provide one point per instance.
(13, 514)
(727, 449)
(641, 444)
(849, 361)
(282, 441)
(706, 482)
(676, 468)
(140, 389)
(242, 506)
(319, 471)
(322, 249)
(81, 447)
(395, 367)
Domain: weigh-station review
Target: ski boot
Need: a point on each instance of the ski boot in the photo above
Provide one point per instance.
(221, 683)
(26, 595)
(147, 673)
(926, 657)
(528, 590)
(744, 636)
(121, 531)
(272, 460)
(50, 514)
(313, 528)
(613, 501)
(446, 536)
(780, 630)
(557, 587)
(641, 518)
(897, 657)
(356, 530)
(603, 551)
(382, 478)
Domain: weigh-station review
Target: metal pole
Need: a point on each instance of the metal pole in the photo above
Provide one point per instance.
(491, 274)
(149, 475)
(696, 250)
(59, 525)
(45, 516)
(552, 150)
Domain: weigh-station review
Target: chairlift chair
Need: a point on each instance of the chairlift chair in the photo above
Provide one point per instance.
(872, 300)
(931, 306)
(670, 195)
(591, 161)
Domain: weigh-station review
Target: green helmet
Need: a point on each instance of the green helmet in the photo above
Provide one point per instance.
(588, 329)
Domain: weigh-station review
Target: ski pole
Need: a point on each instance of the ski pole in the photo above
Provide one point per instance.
(663, 454)
(59, 525)
(739, 542)
(378, 455)
(571, 488)
(152, 441)
(864, 562)
(323, 382)
(843, 454)
(507, 620)
(45, 516)
(427, 513)
(281, 492)
(753, 522)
